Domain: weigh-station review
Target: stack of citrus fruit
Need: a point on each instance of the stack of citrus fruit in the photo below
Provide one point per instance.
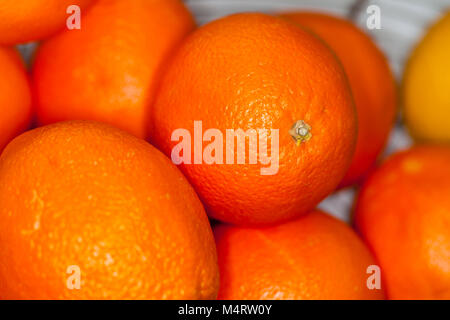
(264, 115)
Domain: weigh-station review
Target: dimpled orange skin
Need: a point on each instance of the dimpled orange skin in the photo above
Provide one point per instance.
(313, 257)
(371, 81)
(30, 20)
(15, 96)
(257, 71)
(108, 70)
(87, 194)
(403, 213)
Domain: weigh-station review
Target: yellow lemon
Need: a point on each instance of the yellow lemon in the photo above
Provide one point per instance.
(426, 86)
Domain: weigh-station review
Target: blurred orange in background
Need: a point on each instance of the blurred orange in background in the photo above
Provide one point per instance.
(109, 70)
(426, 86)
(15, 96)
(403, 212)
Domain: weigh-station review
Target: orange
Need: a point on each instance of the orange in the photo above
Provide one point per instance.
(314, 257)
(258, 72)
(15, 96)
(426, 82)
(403, 213)
(24, 21)
(88, 195)
(371, 81)
(108, 70)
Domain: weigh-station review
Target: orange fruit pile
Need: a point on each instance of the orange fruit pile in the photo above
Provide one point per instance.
(146, 126)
